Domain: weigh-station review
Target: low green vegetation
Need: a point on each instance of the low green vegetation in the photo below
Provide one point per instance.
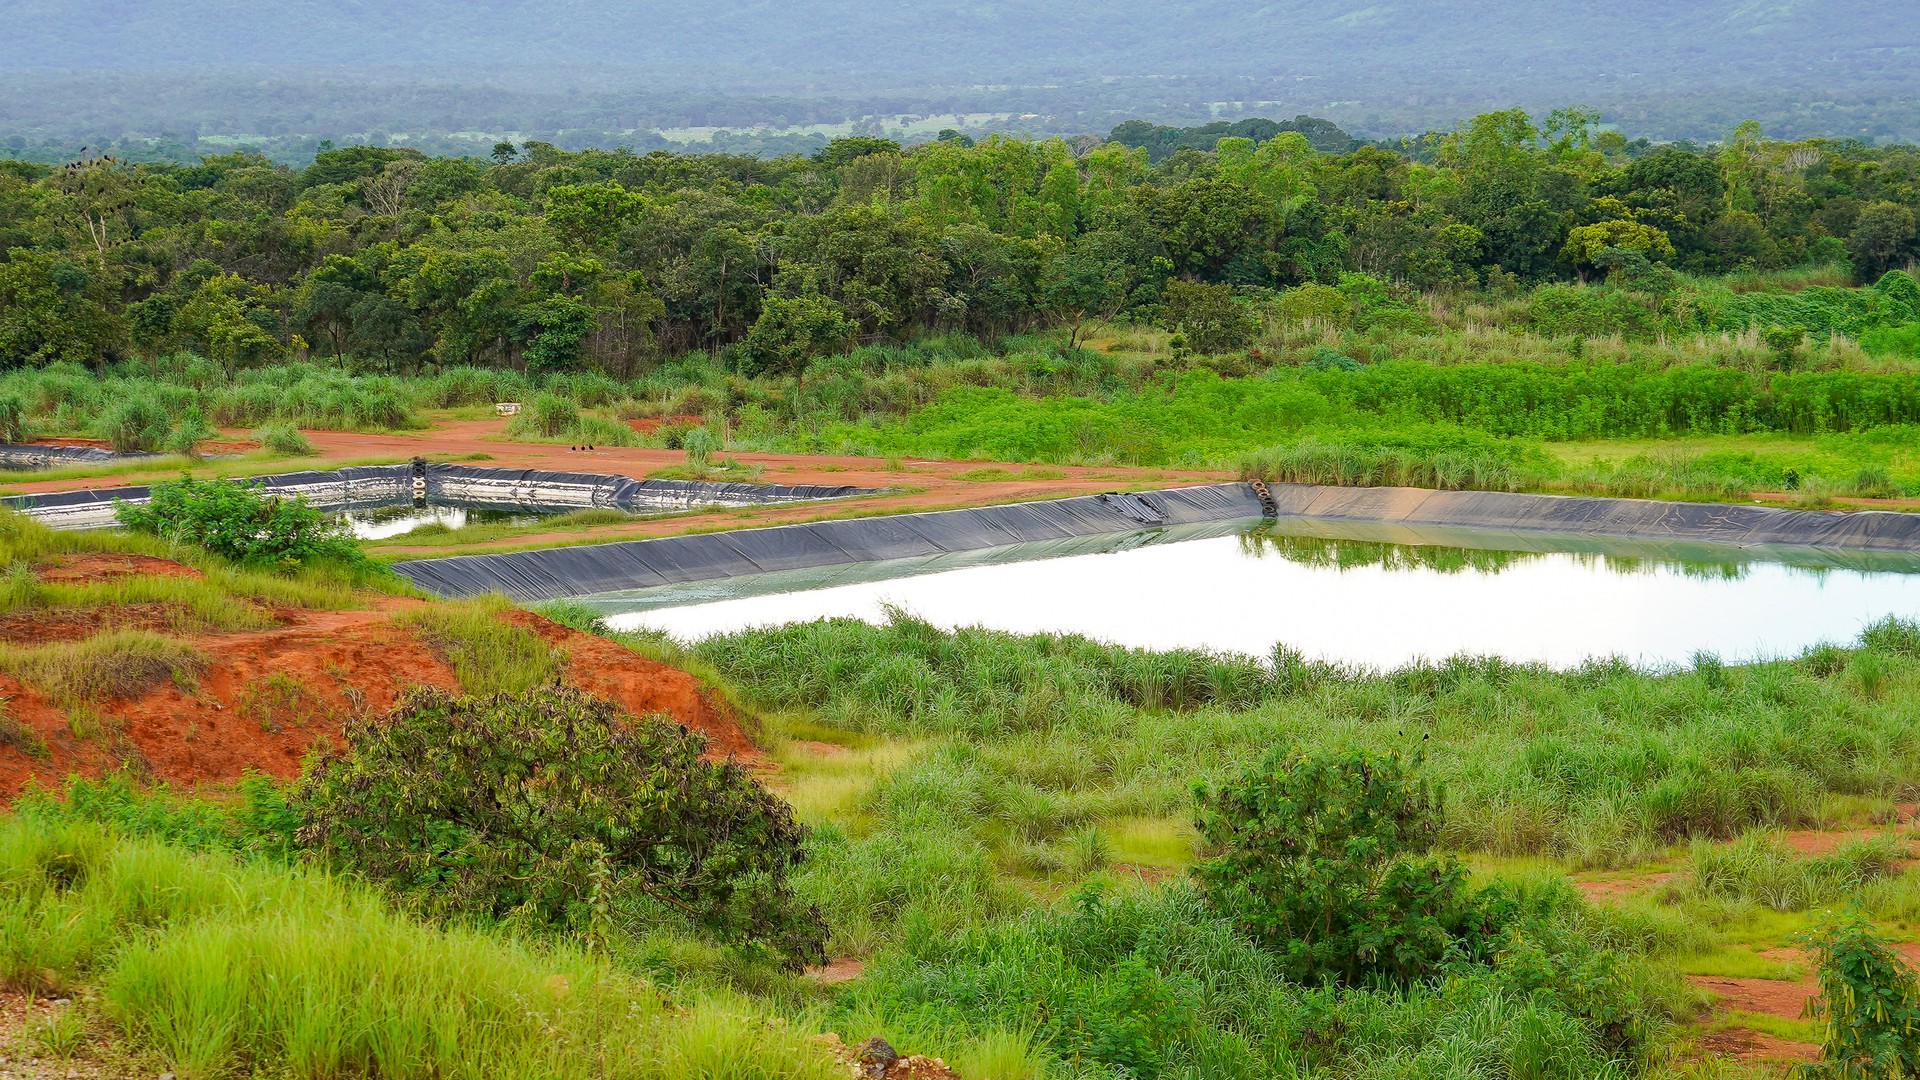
(488, 653)
(117, 664)
(1008, 835)
(213, 968)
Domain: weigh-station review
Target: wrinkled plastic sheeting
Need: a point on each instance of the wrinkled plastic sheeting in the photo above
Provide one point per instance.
(1722, 523)
(637, 564)
(46, 457)
(367, 487)
(807, 578)
(640, 564)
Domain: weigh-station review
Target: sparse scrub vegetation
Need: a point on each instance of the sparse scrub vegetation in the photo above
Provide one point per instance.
(114, 665)
(489, 655)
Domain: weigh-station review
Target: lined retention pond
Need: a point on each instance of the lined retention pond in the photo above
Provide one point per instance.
(1371, 595)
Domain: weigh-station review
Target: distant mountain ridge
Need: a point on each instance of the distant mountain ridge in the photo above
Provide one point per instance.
(291, 72)
(971, 41)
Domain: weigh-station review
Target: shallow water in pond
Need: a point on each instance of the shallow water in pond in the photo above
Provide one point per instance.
(379, 523)
(1375, 596)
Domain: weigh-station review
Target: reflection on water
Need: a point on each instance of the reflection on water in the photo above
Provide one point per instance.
(1383, 598)
(381, 522)
(1347, 554)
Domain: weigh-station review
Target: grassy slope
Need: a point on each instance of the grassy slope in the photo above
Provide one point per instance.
(982, 786)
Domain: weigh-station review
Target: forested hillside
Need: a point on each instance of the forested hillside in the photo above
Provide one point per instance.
(552, 260)
(104, 71)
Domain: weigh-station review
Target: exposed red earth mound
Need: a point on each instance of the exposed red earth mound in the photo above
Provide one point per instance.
(267, 695)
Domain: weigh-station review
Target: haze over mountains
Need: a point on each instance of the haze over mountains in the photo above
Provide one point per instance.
(111, 69)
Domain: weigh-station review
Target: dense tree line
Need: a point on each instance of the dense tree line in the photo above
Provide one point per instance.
(553, 260)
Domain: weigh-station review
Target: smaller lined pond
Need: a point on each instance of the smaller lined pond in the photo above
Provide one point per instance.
(383, 522)
(1370, 595)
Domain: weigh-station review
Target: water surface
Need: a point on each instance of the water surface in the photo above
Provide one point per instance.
(1377, 596)
(381, 522)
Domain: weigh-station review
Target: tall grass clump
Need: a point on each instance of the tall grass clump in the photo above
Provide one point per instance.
(488, 653)
(190, 603)
(217, 968)
(1449, 461)
(283, 438)
(115, 665)
(1759, 868)
(553, 417)
(910, 676)
(1603, 765)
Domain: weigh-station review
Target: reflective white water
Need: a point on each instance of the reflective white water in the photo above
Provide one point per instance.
(378, 523)
(1356, 601)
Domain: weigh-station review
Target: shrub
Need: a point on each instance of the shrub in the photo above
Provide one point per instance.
(282, 437)
(552, 809)
(1869, 1004)
(1209, 317)
(239, 522)
(1320, 859)
(700, 445)
(1327, 358)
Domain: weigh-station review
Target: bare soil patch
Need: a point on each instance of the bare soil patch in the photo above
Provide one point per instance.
(1603, 888)
(104, 566)
(1815, 842)
(1742, 1044)
(842, 970)
(23, 1058)
(267, 696)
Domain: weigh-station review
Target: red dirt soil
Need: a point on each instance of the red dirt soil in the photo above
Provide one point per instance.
(267, 696)
(1742, 1044)
(100, 566)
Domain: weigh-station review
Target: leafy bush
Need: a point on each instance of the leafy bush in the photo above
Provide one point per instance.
(1320, 858)
(239, 522)
(1328, 358)
(1869, 1004)
(1209, 316)
(552, 809)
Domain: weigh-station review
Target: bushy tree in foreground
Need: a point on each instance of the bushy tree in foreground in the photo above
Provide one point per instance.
(1322, 859)
(553, 809)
